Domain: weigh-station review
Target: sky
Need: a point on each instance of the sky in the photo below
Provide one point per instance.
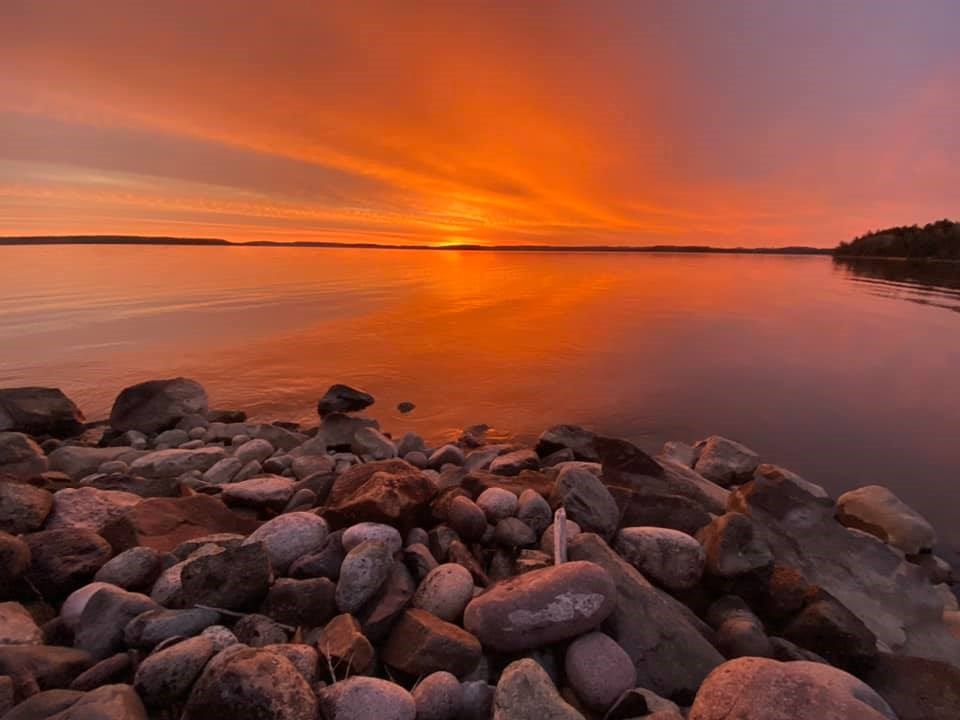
(742, 122)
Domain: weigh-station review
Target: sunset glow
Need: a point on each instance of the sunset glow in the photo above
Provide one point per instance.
(439, 123)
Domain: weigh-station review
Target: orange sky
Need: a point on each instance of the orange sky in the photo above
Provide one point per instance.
(689, 122)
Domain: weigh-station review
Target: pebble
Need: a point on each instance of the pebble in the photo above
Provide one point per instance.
(445, 591)
(497, 504)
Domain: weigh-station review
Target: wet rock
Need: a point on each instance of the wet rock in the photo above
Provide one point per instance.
(63, 560)
(17, 626)
(466, 518)
(497, 504)
(438, 697)
(259, 631)
(341, 398)
(156, 405)
(513, 463)
(88, 508)
(175, 462)
(360, 698)
(876, 510)
(20, 456)
(153, 627)
(250, 684)
(343, 647)
(731, 547)
(534, 510)
(726, 462)
(301, 603)
(378, 532)
(236, 579)
(587, 501)
(362, 574)
(526, 691)
(100, 629)
(266, 491)
(598, 670)
(23, 507)
(165, 677)
(578, 440)
(39, 411)
(134, 569)
(445, 592)
(542, 607)
(421, 643)
(78, 461)
(670, 558)
(762, 689)
(289, 537)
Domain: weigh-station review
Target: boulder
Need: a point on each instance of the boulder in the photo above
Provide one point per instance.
(833, 632)
(175, 462)
(732, 548)
(360, 698)
(343, 399)
(513, 463)
(421, 643)
(344, 647)
(250, 684)
(876, 510)
(371, 442)
(377, 532)
(134, 569)
(387, 491)
(63, 560)
(915, 688)
(777, 473)
(17, 626)
(235, 579)
(672, 559)
(760, 689)
(526, 691)
(39, 411)
(78, 461)
(438, 696)
(289, 537)
(301, 603)
(587, 501)
(23, 507)
(20, 456)
(661, 636)
(497, 504)
(100, 628)
(337, 430)
(166, 676)
(157, 405)
(598, 670)
(88, 508)
(542, 607)
(445, 591)
(578, 440)
(364, 571)
(726, 462)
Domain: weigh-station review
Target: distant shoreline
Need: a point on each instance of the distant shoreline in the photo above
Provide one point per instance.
(218, 242)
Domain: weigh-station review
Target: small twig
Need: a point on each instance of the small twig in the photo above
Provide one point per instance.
(234, 614)
(559, 536)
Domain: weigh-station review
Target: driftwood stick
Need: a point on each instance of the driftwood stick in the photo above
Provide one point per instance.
(235, 614)
(559, 536)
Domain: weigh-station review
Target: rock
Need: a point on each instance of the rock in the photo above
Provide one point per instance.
(304, 658)
(222, 637)
(165, 523)
(343, 647)
(731, 547)
(547, 538)
(157, 405)
(100, 629)
(306, 466)
(680, 453)
(343, 399)
(7, 697)
(386, 491)
(325, 562)
(497, 504)
(14, 561)
(512, 533)
(250, 684)
(598, 670)
(448, 454)
(421, 643)
(266, 491)
(236, 579)
(378, 615)
(20, 456)
(223, 471)
(481, 458)
(73, 606)
(23, 507)
(373, 443)
(670, 558)
(134, 569)
(445, 592)
(39, 411)
(587, 501)
(513, 463)
(466, 517)
(78, 461)
(739, 632)
(63, 560)
(378, 532)
(726, 462)
(165, 677)
(259, 631)
(917, 689)
(171, 438)
(876, 510)
(42, 666)
(110, 702)
(534, 510)
(829, 629)
(661, 636)
(477, 700)
(476, 482)
(142, 487)
(362, 574)
(541, 607)
(774, 472)
(256, 449)
(289, 537)
(337, 430)
(88, 508)
(175, 462)
(438, 697)
(115, 669)
(410, 442)
(17, 626)
(580, 441)
(526, 691)
(363, 698)
(419, 560)
(153, 627)
(406, 407)
(301, 603)
(762, 689)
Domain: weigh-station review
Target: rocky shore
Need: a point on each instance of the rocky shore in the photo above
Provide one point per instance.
(181, 562)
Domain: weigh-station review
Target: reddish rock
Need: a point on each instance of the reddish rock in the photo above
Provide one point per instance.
(421, 643)
(63, 560)
(389, 491)
(39, 411)
(343, 646)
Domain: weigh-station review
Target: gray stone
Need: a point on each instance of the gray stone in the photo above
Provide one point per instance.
(73, 606)
(258, 630)
(341, 398)
(445, 591)
(88, 508)
(672, 559)
(378, 532)
(362, 574)
(513, 463)
(438, 697)
(580, 441)
(876, 510)
(134, 569)
(165, 677)
(171, 438)
(534, 510)
(78, 461)
(175, 462)
(777, 473)
(680, 453)
(23, 507)
(365, 698)
(157, 405)
(100, 628)
(477, 700)
(272, 491)
(497, 504)
(337, 430)
(598, 670)
(587, 501)
(112, 467)
(289, 537)
(20, 456)
(732, 548)
(726, 462)
(63, 560)
(153, 627)
(448, 454)
(235, 579)
(256, 449)
(307, 465)
(221, 636)
(223, 471)
(466, 518)
(525, 691)
(39, 411)
(410, 442)
(373, 443)
(512, 532)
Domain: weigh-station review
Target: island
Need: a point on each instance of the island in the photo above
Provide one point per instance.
(935, 241)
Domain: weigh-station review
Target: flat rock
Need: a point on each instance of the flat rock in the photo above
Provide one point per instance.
(20, 456)
(876, 510)
(420, 643)
(526, 691)
(290, 536)
(273, 491)
(157, 405)
(363, 698)
(78, 461)
(580, 441)
(726, 462)
(88, 508)
(542, 607)
(175, 462)
(672, 559)
(513, 463)
(39, 411)
(23, 507)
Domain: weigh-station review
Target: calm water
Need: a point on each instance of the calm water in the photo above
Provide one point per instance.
(844, 373)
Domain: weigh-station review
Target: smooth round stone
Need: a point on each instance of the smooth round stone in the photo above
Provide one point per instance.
(377, 532)
(73, 606)
(417, 535)
(197, 433)
(113, 466)
(438, 696)
(256, 449)
(240, 439)
(416, 458)
(446, 455)
(366, 698)
(222, 637)
(598, 670)
(670, 558)
(534, 510)
(289, 537)
(133, 569)
(477, 700)
(364, 571)
(166, 677)
(466, 517)
(546, 539)
(497, 504)
(513, 532)
(445, 591)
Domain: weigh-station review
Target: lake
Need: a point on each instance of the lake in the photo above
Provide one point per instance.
(844, 372)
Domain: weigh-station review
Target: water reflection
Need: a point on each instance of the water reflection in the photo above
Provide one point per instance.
(928, 283)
